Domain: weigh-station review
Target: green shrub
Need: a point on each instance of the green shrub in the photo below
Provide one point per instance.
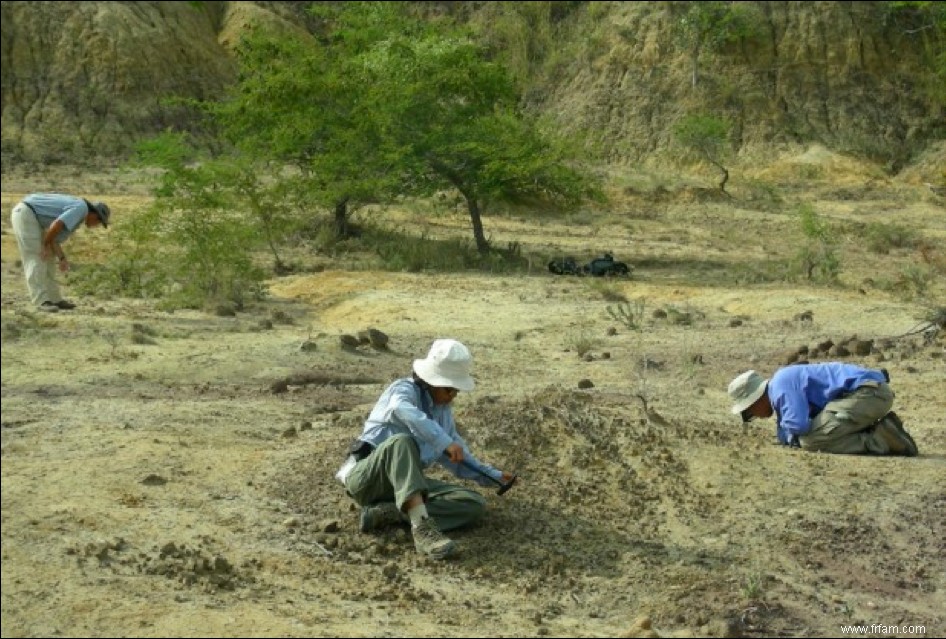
(883, 237)
(817, 260)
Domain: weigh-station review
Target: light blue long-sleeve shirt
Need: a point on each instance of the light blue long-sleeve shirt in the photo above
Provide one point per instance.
(799, 393)
(405, 407)
(50, 207)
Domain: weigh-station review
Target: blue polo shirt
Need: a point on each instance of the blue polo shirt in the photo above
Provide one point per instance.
(50, 207)
(799, 393)
(406, 408)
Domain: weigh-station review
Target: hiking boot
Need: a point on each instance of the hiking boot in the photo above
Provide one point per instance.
(894, 419)
(430, 541)
(897, 442)
(49, 307)
(378, 516)
(65, 305)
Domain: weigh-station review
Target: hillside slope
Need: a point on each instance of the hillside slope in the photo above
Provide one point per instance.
(855, 76)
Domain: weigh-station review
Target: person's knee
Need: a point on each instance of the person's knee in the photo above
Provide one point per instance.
(402, 443)
(475, 507)
(399, 440)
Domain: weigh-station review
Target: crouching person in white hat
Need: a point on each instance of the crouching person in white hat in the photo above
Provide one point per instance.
(831, 407)
(410, 427)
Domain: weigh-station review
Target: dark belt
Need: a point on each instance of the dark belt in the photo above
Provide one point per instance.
(360, 450)
(30, 207)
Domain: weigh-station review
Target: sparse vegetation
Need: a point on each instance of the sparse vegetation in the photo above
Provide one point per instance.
(753, 588)
(711, 25)
(881, 237)
(817, 260)
(580, 342)
(630, 314)
(705, 137)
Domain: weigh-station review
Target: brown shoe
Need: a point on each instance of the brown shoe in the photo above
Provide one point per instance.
(897, 442)
(430, 541)
(895, 419)
(378, 516)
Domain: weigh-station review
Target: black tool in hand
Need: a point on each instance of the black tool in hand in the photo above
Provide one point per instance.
(503, 487)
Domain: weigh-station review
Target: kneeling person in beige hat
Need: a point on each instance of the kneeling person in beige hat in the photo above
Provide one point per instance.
(411, 427)
(831, 407)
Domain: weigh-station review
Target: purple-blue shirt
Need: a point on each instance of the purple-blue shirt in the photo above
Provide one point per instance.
(799, 393)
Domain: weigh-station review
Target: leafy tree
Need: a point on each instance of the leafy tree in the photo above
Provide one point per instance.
(380, 104)
(303, 104)
(711, 25)
(705, 137)
(455, 115)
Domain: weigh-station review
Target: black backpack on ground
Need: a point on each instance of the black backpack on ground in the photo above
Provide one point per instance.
(564, 266)
(606, 266)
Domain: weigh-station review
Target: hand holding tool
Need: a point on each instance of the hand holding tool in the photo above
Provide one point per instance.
(503, 487)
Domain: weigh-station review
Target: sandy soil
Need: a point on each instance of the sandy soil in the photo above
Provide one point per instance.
(170, 474)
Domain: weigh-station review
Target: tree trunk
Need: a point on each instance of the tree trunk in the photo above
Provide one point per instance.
(722, 184)
(473, 206)
(712, 160)
(341, 219)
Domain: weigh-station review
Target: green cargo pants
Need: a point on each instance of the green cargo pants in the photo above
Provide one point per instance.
(845, 424)
(393, 473)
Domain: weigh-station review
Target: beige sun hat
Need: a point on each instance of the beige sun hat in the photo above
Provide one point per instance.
(745, 390)
(447, 364)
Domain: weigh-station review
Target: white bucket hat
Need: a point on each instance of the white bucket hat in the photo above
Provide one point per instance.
(745, 390)
(447, 365)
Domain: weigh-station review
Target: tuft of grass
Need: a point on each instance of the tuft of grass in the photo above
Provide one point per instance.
(753, 587)
(580, 342)
(608, 292)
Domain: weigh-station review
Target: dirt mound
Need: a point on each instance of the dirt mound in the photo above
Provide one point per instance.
(817, 163)
(928, 169)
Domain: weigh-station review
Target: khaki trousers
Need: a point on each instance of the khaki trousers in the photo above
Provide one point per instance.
(845, 424)
(393, 472)
(40, 274)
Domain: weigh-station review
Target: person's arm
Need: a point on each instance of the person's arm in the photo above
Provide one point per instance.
(466, 467)
(792, 414)
(61, 257)
(404, 411)
(50, 245)
(786, 391)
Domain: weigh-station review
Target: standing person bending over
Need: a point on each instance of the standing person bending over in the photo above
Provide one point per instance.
(831, 407)
(41, 223)
(410, 427)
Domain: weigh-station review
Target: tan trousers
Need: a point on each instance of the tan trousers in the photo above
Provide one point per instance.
(845, 425)
(40, 274)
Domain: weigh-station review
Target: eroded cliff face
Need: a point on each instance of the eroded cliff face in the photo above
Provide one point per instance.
(844, 74)
(83, 78)
(91, 77)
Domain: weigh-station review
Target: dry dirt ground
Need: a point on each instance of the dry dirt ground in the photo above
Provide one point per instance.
(171, 474)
